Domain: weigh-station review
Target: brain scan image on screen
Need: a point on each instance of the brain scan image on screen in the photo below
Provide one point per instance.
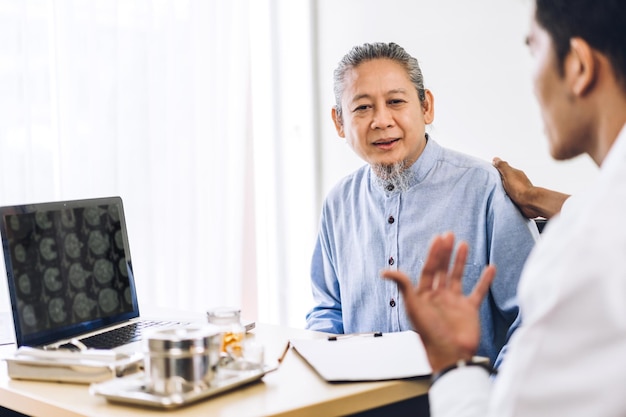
(69, 265)
(83, 305)
(103, 271)
(56, 310)
(98, 243)
(78, 276)
(72, 245)
(52, 279)
(47, 249)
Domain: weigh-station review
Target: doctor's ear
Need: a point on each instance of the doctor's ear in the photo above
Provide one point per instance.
(581, 68)
(338, 120)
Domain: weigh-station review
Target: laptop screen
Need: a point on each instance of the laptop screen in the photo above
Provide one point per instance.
(68, 266)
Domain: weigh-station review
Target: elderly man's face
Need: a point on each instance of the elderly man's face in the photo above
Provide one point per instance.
(382, 117)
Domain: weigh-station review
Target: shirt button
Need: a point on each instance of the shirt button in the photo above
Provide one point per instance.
(390, 220)
(391, 261)
(390, 187)
(392, 302)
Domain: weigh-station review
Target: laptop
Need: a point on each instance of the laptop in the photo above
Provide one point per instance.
(70, 275)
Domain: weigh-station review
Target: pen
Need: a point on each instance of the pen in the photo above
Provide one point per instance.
(345, 336)
(282, 357)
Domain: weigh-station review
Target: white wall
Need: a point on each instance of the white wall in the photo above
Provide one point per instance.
(474, 60)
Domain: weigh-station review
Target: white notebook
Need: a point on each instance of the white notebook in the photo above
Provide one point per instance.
(363, 357)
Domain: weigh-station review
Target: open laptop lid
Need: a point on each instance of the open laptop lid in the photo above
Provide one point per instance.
(69, 268)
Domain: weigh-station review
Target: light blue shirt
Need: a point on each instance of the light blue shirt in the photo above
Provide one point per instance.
(366, 228)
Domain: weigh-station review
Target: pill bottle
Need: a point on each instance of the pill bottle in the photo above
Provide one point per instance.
(228, 320)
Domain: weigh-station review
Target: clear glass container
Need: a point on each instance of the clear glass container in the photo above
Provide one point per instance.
(228, 319)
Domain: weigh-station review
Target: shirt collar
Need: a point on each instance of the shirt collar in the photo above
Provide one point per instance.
(420, 168)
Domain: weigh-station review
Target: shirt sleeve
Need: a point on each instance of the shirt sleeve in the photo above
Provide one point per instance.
(462, 392)
(512, 237)
(326, 315)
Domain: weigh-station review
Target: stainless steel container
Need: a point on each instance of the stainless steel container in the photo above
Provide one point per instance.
(182, 359)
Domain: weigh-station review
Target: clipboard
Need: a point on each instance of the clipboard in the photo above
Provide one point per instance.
(364, 357)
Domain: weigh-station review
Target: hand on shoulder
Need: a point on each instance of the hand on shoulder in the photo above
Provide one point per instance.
(531, 200)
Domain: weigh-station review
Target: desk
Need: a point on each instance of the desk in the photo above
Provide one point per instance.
(292, 390)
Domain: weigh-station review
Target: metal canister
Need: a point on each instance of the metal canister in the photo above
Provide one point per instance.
(182, 359)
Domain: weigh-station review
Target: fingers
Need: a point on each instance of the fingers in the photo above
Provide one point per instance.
(400, 278)
(482, 286)
(478, 293)
(436, 273)
(437, 261)
(500, 165)
(455, 278)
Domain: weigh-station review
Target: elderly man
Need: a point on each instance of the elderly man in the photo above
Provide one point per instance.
(385, 214)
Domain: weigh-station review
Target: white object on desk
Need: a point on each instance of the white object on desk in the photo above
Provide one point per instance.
(68, 366)
(365, 357)
(98, 355)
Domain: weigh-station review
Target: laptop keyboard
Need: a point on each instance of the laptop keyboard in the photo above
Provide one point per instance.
(123, 335)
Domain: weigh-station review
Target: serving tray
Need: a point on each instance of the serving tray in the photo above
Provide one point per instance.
(133, 390)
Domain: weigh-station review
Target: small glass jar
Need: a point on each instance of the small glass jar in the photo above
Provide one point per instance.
(228, 319)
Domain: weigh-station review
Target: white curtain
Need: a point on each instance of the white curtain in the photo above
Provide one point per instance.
(184, 109)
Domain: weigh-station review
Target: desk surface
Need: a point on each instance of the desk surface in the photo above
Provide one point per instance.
(292, 390)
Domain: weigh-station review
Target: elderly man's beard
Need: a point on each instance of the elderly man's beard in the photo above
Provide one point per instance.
(396, 174)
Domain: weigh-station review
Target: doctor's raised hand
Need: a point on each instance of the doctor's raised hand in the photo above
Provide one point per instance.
(446, 319)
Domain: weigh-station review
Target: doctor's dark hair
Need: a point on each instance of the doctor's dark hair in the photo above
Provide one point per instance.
(368, 52)
(601, 23)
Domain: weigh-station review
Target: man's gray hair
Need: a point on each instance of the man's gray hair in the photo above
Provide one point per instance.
(371, 51)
